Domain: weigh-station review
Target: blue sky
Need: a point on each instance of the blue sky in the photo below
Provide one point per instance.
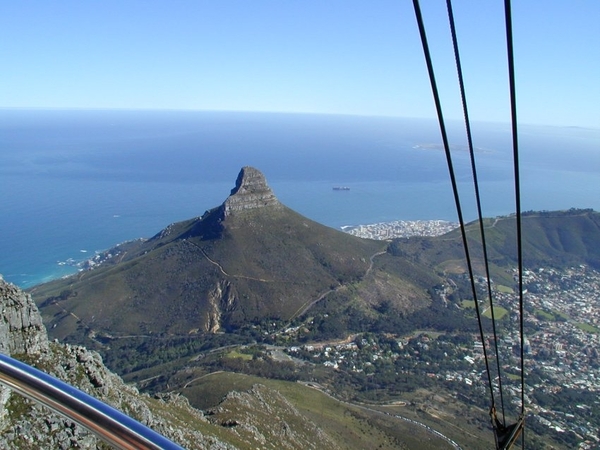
(333, 56)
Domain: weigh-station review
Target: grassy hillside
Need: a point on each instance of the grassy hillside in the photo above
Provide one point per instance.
(349, 426)
(556, 239)
(205, 274)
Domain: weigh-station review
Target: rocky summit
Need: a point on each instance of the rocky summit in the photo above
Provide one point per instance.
(251, 192)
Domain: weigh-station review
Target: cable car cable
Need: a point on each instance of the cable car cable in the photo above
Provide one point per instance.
(440, 115)
(477, 195)
(515, 144)
(505, 436)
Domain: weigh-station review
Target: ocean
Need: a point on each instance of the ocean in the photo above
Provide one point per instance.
(76, 182)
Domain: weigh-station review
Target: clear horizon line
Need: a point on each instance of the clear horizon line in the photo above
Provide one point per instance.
(307, 113)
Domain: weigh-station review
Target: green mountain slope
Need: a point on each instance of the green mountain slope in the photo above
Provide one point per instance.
(553, 238)
(247, 260)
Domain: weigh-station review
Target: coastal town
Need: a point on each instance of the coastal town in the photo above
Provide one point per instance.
(401, 229)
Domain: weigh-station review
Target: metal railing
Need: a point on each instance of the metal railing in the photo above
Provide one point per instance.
(109, 424)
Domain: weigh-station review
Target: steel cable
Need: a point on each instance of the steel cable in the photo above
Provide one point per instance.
(477, 195)
(440, 115)
(515, 144)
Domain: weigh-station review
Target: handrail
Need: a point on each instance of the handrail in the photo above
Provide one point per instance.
(107, 423)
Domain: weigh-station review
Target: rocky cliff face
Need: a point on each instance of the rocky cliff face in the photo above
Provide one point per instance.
(21, 327)
(251, 192)
(26, 425)
(222, 300)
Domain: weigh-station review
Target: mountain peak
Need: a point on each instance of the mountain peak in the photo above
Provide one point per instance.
(250, 192)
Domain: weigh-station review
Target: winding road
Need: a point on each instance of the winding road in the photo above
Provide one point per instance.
(305, 307)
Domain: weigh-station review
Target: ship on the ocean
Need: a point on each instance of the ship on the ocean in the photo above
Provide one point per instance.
(341, 188)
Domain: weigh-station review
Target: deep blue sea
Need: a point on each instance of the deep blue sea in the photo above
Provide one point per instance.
(76, 182)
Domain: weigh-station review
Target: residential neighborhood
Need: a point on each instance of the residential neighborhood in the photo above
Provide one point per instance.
(401, 228)
(561, 342)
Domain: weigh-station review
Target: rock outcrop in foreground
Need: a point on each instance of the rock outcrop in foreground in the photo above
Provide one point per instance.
(21, 327)
(264, 416)
(260, 417)
(251, 192)
(27, 425)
